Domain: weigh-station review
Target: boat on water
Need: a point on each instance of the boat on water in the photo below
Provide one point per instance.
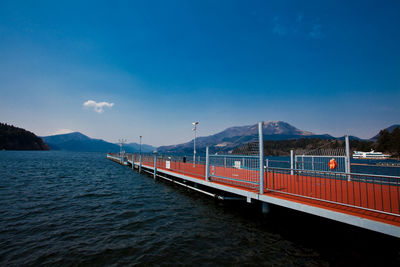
(369, 155)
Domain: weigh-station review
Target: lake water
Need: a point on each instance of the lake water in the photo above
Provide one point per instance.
(64, 208)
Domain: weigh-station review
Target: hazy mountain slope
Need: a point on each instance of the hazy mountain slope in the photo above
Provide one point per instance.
(77, 141)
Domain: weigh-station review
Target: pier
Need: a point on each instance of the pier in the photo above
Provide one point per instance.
(369, 201)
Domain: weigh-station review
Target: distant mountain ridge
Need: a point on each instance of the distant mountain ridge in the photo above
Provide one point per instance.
(60, 138)
(135, 147)
(77, 141)
(233, 137)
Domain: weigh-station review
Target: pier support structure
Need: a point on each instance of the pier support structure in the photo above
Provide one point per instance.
(264, 207)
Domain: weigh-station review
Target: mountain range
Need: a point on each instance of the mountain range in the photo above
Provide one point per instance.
(233, 137)
(224, 141)
(77, 141)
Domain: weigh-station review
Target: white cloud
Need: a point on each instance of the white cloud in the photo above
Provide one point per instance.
(97, 106)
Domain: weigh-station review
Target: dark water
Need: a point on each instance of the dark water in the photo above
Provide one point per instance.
(60, 208)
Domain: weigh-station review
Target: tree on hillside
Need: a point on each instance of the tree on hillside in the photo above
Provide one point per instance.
(382, 144)
(360, 145)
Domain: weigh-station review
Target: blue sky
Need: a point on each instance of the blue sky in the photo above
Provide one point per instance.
(322, 66)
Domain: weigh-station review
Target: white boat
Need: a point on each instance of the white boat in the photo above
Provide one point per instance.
(369, 155)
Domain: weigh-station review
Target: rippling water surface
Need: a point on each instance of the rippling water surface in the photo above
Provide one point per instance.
(63, 208)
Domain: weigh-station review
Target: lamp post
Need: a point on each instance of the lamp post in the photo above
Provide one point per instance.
(194, 142)
(140, 155)
(140, 147)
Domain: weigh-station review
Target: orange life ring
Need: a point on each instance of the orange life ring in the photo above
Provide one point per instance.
(332, 164)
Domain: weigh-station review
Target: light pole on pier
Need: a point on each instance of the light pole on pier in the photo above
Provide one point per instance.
(140, 154)
(121, 142)
(140, 146)
(194, 142)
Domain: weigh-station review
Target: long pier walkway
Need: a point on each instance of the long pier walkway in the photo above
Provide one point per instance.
(364, 200)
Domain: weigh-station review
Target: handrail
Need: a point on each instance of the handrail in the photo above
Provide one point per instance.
(335, 173)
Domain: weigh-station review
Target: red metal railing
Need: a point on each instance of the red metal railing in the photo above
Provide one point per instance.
(148, 159)
(196, 170)
(365, 191)
(239, 171)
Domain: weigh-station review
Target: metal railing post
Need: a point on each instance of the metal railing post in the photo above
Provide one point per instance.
(312, 163)
(207, 166)
(133, 164)
(291, 162)
(347, 165)
(261, 159)
(155, 165)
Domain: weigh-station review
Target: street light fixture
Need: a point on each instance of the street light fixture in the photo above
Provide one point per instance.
(194, 142)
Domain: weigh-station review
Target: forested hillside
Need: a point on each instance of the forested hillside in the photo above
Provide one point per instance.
(14, 138)
(389, 142)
